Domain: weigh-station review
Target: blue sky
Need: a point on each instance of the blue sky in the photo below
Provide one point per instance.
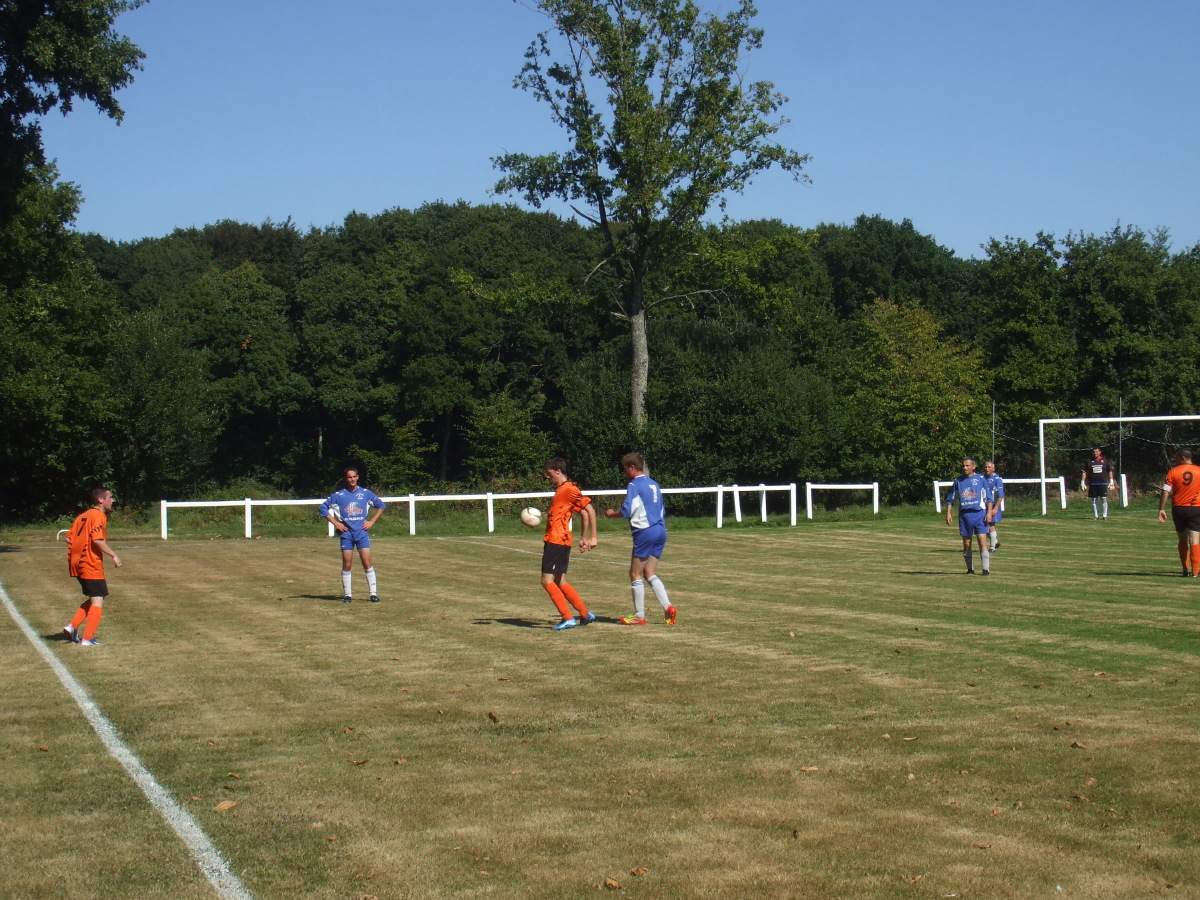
(973, 120)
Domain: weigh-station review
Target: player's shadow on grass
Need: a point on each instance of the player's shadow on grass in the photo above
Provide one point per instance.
(9, 548)
(59, 635)
(1174, 575)
(336, 598)
(535, 623)
(923, 572)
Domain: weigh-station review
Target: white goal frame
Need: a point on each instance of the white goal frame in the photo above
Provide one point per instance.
(1042, 423)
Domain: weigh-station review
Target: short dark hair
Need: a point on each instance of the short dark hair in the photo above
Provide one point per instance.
(973, 460)
(558, 463)
(97, 493)
(1185, 453)
(634, 459)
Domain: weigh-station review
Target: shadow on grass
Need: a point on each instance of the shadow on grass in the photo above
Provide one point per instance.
(1174, 575)
(539, 623)
(59, 635)
(935, 574)
(9, 548)
(335, 598)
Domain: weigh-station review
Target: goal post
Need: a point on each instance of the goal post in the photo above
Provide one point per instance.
(1096, 420)
(809, 487)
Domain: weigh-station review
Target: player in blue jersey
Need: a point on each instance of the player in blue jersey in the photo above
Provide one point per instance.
(996, 483)
(644, 509)
(975, 509)
(347, 511)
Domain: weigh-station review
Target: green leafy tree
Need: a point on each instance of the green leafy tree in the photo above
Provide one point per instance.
(503, 441)
(917, 401)
(51, 55)
(661, 126)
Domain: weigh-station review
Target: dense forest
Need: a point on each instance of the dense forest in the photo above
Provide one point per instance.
(459, 345)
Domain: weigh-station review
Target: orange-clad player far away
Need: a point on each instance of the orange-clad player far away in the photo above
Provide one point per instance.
(556, 549)
(1182, 485)
(87, 546)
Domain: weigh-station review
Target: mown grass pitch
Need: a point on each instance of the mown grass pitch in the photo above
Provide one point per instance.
(840, 712)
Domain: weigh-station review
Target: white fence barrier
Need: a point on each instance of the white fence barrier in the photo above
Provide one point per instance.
(248, 504)
(1060, 481)
(809, 487)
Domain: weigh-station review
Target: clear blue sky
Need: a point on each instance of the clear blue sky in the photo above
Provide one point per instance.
(973, 120)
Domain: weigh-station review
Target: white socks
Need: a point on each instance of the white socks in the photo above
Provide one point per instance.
(638, 589)
(985, 559)
(346, 583)
(371, 585)
(660, 591)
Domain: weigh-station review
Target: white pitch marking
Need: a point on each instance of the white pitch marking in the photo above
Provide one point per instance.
(207, 857)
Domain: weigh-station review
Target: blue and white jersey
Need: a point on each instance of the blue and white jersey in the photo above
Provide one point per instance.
(972, 491)
(643, 505)
(352, 506)
(996, 484)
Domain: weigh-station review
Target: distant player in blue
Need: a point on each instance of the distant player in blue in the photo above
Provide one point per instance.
(347, 511)
(644, 509)
(975, 509)
(996, 483)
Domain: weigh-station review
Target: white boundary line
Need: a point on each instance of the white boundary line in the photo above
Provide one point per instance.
(207, 857)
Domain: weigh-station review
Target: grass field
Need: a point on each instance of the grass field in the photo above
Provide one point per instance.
(840, 712)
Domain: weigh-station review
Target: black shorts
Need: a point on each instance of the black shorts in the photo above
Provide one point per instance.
(93, 587)
(1186, 518)
(555, 558)
(1098, 490)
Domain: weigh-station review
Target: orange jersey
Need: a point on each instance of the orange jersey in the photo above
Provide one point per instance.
(567, 501)
(1183, 484)
(83, 560)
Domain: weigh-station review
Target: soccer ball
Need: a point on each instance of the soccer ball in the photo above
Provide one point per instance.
(531, 516)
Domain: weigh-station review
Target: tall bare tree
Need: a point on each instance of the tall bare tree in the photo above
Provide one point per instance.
(661, 126)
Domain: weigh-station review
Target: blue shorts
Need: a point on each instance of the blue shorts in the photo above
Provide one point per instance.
(650, 541)
(352, 539)
(998, 516)
(973, 521)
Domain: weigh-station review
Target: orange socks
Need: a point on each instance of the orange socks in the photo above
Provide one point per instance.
(1195, 548)
(556, 597)
(80, 614)
(93, 622)
(575, 600)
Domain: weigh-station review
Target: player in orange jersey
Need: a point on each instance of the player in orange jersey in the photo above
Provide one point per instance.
(1182, 485)
(87, 546)
(556, 549)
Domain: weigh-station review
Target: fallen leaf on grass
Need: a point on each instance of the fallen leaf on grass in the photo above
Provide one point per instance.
(234, 775)
(331, 838)
(492, 716)
(42, 748)
(399, 762)
(887, 737)
(359, 762)
(809, 769)
(909, 740)
(212, 743)
(504, 678)
(1099, 674)
(638, 871)
(995, 810)
(912, 777)
(1091, 782)
(791, 634)
(612, 884)
(983, 846)
(1082, 798)
(194, 797)
(1077, 746)
(347, 730)
(225, 805)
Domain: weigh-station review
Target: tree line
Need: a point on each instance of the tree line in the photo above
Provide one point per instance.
(461, 344)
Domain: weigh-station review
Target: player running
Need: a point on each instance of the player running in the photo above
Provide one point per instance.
(975, 510)
(347, 511)
(1182, 485)
(644, 509)
(996, 483)
(556, 547)
(87, 545)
